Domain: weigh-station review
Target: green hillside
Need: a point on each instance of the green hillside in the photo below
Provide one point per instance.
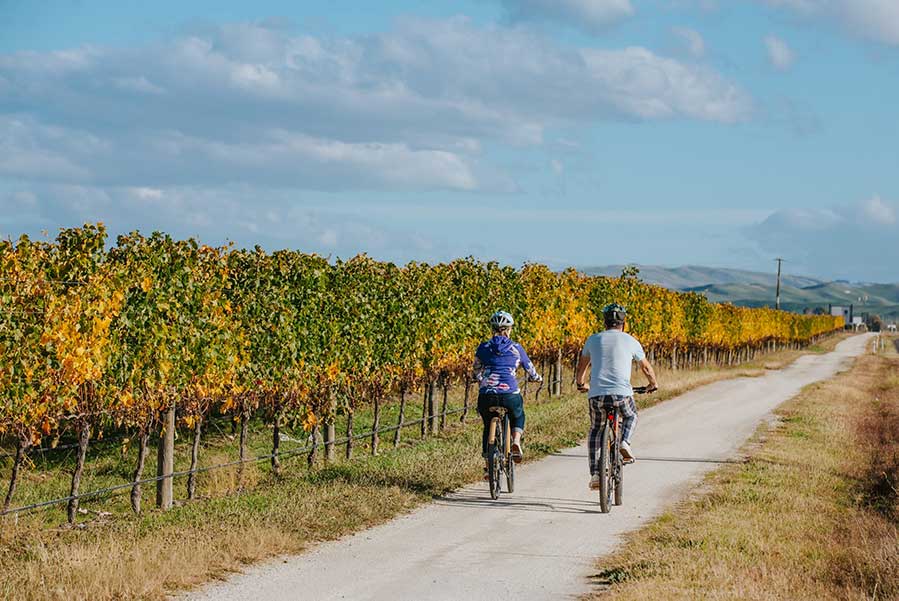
(689, 276)
(755, 289)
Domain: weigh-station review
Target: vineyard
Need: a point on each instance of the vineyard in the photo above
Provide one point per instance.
(151, 334)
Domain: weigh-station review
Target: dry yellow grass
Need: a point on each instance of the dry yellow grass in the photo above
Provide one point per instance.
(788, 524)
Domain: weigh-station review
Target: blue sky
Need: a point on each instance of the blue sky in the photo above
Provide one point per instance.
(570, 132)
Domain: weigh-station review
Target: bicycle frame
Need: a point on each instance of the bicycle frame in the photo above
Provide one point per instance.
(500, 462)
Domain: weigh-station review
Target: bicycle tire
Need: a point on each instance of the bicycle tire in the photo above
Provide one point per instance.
(493, 459)
(603, 468)
(510, 465)
(619, 469)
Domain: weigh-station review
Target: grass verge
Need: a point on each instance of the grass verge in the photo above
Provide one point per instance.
(115, 555)
(811, 515)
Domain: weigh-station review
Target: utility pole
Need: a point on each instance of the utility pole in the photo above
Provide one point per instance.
(777, 299)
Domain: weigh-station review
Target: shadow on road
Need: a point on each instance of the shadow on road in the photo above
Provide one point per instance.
(582, 456)
(470, 497)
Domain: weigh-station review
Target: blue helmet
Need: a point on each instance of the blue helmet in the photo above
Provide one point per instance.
(501, 319)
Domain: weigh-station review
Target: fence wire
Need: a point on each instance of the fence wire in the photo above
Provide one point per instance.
(259, 458)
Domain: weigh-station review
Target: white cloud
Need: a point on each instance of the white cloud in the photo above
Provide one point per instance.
(592, 16)
(642, 84)
(876, 20)
(692, 40)
(138, 84)
(275, 218)
(855, 241)
(411, 108)
(780, 55)
(878, 211)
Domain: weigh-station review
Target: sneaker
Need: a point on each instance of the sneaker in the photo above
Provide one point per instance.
(516, 452)
(626, 452)
(594, 482)
(486, 474)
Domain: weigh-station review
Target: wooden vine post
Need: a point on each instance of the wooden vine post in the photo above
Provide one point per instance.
(424, 409)
(194, 460)
(143, 448)
(557, 374)
(349, 432)
(400, 419)
(84, 434)
(465, 400)
(376, 424)
(165, 460)
(445, 404)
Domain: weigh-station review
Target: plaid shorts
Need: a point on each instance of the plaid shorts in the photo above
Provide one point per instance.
(629, 420)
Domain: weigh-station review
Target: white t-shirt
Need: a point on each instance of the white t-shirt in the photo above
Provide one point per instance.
(611, 353)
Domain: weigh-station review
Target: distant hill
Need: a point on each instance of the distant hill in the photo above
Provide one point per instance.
(691, 276)
(755, 289)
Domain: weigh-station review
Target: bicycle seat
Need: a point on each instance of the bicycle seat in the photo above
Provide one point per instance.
(498, 410)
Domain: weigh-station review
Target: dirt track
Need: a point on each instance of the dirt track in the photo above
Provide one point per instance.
(541, 542)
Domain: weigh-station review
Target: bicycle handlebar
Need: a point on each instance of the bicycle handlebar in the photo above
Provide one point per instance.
(644, 389)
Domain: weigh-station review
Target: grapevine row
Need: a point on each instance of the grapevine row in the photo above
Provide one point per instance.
(150, 329)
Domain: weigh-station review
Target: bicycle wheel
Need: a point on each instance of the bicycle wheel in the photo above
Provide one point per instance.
(494, 461)
(619, 470)
(604, 469)
(493, 469)
(510, 465)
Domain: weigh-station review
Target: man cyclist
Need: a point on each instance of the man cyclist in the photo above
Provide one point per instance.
(495, 364)
(610, 354)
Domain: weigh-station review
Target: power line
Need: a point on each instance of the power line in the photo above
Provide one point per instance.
(777, 297)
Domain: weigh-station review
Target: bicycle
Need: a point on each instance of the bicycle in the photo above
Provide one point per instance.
(609, 464)
(499, 456)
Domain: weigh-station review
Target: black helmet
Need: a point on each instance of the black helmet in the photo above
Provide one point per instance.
(614, 314)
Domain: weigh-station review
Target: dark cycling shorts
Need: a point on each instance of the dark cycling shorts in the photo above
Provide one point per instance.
(513, 403)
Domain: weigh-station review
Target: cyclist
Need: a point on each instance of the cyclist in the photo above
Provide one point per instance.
(495, 364)
(610, 354)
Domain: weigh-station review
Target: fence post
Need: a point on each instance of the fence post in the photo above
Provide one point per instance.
(424, 409)
(445, 402)
(432, 408)
(400, 419)
(349, 433)
(165, 460)
(557, 374)
(375, 436)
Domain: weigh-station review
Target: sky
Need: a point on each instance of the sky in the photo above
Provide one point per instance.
(568, 132)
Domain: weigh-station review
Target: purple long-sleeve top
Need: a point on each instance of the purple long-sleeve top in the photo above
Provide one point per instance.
(496, 362)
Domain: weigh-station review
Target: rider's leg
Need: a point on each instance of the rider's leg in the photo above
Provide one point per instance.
(629, 419)
(515, 405)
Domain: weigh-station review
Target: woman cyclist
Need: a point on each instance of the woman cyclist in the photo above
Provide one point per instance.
(495, 364)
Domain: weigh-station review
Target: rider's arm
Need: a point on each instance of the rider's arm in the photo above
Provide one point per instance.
(477, 370)
(583, 363)
(646, 368)
(528, 366)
